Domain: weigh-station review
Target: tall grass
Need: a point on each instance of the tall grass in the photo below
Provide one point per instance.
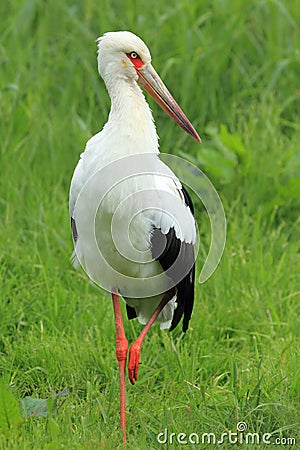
(234, 68)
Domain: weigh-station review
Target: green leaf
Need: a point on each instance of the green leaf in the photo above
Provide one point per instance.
(40, 407)
(37, 407)
(232, 141)
(10, 416)
(224, 154)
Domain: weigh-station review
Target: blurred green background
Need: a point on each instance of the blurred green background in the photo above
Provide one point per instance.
(234, 67)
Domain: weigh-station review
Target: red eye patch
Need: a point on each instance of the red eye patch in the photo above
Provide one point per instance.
(135, 59)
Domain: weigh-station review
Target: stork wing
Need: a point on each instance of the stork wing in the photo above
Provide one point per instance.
(176, 255)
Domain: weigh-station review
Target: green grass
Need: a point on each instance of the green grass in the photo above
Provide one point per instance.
(234, 67)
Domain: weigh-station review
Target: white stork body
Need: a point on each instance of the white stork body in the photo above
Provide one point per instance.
(144, 207)
(140, 231)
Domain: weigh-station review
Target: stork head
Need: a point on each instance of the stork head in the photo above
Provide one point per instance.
(117, 53)
(123, 55)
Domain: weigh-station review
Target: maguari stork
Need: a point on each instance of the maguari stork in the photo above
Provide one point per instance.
(132, 220)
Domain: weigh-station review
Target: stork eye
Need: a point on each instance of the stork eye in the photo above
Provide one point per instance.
(135, 59)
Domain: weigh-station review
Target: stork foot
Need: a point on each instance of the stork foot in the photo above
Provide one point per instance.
(134, 360)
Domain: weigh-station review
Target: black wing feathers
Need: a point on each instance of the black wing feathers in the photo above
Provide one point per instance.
(131, 313)
(175, 257)
(187, 199)
(74, 229)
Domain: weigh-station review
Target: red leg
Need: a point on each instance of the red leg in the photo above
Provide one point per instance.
(135, 349)
(121, 350)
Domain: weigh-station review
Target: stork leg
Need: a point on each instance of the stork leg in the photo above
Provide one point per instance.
(121, 351)
(135, 349)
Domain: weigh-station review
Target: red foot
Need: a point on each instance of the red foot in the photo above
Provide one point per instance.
(134, 360)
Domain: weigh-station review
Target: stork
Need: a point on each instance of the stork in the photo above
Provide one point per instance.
(132, 220)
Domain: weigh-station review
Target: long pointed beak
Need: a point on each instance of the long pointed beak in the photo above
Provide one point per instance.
(151, 82)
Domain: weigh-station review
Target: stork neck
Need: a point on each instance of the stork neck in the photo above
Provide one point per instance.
(130, 116)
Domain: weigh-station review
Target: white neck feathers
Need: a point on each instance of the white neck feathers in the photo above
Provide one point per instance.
(130, 117)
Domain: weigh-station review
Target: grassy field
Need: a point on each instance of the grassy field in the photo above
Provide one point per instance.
(234, 66)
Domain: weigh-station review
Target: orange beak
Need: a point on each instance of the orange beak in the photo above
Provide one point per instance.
(151, 82)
